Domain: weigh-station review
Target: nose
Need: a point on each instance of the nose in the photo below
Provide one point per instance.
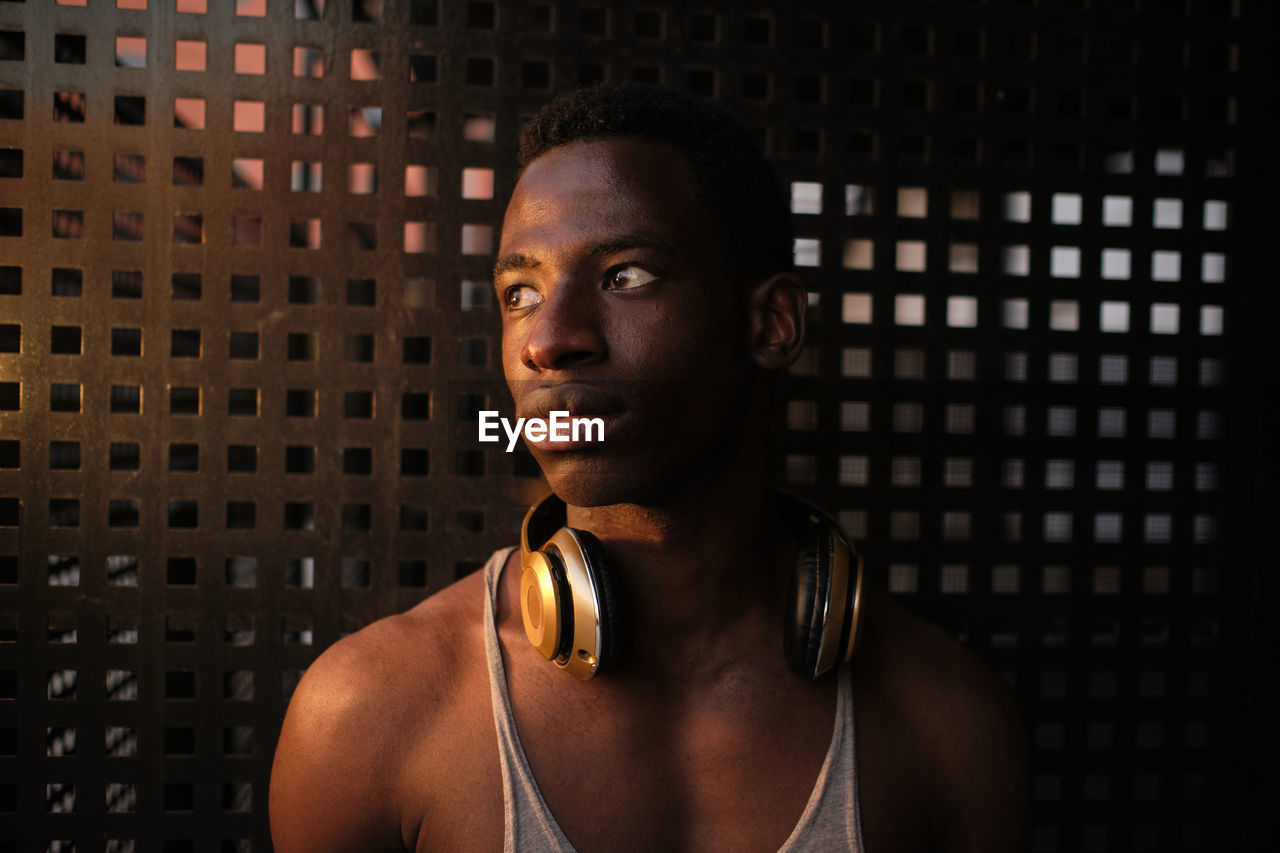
(564, 333)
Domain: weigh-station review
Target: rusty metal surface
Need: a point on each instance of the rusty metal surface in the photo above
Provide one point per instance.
(245, 315)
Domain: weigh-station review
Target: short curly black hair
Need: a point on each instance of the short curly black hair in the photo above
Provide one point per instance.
(730, 173)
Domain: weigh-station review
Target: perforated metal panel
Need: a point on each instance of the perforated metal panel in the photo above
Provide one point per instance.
(246, 320)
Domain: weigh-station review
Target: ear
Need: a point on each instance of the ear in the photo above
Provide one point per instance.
(777, 307)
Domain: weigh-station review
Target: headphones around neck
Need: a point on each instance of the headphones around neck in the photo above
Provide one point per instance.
(570, 606)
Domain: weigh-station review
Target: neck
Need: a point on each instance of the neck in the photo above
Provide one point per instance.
(704, 575)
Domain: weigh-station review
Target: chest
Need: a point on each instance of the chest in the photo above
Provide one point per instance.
(732, 769)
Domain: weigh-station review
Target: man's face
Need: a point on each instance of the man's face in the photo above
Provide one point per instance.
(615, 305)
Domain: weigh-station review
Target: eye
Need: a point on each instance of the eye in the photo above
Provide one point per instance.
(627, 278)
(519, 296)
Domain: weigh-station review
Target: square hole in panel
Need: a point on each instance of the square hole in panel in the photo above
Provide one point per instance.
(306, 119)
(189, 55)
(188, 228)
(188, 171)
(130, 110)
(859, 254)
(420, 123)
(962, 365)
(806, 197)
(245, 288)
(357, 404)
(1113, 316)
(1213, 268)
(250, 58)
(1164, 319)
(855, 362)
(131, 52)
(421, 181)
(300, 573)
(67, 225)
(1170, 161)
(908, 364)
(242, 402)
(1115, 264)
(248, 116)
(957, 473)
(354, 573)
(965, 204)
(305, 233)
(1017, 207)
(477, 239)
(908, 417)
(853, 470)
(364, 64)
(1015, 260)
(1014, 313)
(1064, 262)
(1111, 422)
(1215, 216)
(124, 456)
(1064, 315)
(962, 311)
(1167, 213)
(1211, 320)
(478, 127)
(129, 168)
(807, 252)
(306, 176)
(362, 178)
(959, 418)
(1066, 209)
(909, 309)
(1061, 421)
(423, 68)
(1113, 369)
(246, 231)
(477, 183)
(1166, 266)
(68, 165)
(419, 237)
(913, 202)
(300, 403)
(69, 48)
(188, 113)
(858, 200)
(246, 173)
(308, 62)
(962, 258)
(1161, 423)
(1163, 370)
(242, 458)
(910, 256)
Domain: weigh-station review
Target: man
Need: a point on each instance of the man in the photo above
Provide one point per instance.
(644, 278)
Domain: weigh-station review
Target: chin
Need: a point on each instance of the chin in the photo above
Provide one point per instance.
(587, 480)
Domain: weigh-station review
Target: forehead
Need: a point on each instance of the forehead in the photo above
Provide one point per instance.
(590, 189)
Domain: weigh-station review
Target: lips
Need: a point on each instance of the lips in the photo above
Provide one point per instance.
(577, 399)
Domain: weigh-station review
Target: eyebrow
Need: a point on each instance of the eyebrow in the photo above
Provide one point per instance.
(621, 243)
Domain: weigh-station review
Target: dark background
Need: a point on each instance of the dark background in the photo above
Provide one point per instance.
(245, 318)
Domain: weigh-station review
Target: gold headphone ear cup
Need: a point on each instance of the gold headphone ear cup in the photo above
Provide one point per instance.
(608, 600)
(541, 605)
(802, 633)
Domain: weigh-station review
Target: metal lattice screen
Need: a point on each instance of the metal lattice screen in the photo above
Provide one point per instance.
(245, 315)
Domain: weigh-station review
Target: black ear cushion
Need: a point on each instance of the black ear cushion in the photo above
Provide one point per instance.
(612, 620)
(802, 632)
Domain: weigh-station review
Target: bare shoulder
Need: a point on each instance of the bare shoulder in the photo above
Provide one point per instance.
(958, 725)
(349, 770)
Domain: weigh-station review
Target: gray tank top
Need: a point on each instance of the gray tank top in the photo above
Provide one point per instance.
(830, 820)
